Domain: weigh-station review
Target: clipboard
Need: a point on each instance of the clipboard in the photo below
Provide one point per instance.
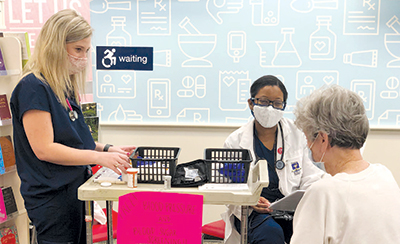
(288, 203)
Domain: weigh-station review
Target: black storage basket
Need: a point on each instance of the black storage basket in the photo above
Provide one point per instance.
(228, 165)
(154, 163)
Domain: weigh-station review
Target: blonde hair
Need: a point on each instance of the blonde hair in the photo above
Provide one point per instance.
(49, 62)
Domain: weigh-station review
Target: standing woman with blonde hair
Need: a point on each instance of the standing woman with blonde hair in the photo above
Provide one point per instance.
(53, 146)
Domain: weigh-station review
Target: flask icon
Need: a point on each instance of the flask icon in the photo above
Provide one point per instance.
(287, 55)
(118, 36)
(323, 40)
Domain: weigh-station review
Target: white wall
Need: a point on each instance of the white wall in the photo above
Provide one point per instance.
(383, 146)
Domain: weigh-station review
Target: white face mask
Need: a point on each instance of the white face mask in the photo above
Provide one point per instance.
(77, 65)
(267, 116)
(319, 164)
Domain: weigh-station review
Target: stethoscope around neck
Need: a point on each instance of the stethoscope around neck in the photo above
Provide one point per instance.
(73, 115)
(279, 164)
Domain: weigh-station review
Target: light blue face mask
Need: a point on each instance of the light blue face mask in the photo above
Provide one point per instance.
(319, 164)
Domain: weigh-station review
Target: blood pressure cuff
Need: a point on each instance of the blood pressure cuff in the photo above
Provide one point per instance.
(236, 172)
(189, 174)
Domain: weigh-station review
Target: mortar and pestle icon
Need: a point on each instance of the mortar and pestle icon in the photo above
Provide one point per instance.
(392, 42)
(195, 45)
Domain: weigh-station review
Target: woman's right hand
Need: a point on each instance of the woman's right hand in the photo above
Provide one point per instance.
(262, 206)
(114, 160)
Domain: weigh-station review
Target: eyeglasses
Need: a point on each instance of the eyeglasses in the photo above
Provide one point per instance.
(265, 102)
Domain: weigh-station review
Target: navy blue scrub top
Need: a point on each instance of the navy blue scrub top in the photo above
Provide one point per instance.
(41, 179)
(272, 192)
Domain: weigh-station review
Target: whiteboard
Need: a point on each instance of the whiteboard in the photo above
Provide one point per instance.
(208, 53)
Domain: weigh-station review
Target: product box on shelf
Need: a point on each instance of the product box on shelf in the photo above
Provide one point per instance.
(7, 150)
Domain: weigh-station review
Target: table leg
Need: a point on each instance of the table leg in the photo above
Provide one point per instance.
(243, 224)
(109, 207)
(89, 221)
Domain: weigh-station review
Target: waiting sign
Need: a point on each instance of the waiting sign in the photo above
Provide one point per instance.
(124, 58)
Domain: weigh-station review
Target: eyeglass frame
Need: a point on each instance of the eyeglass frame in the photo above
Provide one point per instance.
(253, 99)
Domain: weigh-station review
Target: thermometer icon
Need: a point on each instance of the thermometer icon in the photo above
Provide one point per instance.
(236, 45)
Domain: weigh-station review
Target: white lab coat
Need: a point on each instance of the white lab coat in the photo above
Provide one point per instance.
(295, 150)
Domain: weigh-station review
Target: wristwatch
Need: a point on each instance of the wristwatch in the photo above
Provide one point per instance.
(106, 147)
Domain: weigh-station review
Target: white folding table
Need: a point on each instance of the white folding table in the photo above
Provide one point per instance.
(93, 191)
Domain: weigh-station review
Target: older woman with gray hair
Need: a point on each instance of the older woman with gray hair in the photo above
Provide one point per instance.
(359, 201)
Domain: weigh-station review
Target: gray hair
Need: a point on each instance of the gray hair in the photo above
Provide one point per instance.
(336, 111)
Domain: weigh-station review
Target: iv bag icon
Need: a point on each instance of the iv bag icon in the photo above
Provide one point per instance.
(287, 55)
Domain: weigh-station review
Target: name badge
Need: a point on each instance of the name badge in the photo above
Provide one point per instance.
(296, 168)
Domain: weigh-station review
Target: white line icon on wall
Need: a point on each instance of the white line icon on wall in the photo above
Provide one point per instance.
(193, 87)
(309, 80)
(115, 84)
(392, 83)
(366, 90)
(162, 58)
(194, 115)
(366, 58)
(390, 115)
(153, 17)
(234, 90)
(107, 4)
(118, 36)
(196, 46)
(265, 12)
(236, 45)
(284, 56)
(159, 98)
(302, 6)
(121, 115)
(218, 8)
(361, 17)
(323, 40)
(392, 42)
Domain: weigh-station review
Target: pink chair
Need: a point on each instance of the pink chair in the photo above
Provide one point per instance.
(216, 230)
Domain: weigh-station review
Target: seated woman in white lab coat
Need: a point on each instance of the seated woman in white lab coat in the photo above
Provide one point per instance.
(274, 138)
(360, 202)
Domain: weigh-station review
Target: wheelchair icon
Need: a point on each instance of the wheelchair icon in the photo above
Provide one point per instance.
(109, 58)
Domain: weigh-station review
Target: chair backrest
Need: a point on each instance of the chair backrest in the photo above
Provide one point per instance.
(216, 229)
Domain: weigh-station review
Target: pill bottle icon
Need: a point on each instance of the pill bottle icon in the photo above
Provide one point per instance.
(323, 40)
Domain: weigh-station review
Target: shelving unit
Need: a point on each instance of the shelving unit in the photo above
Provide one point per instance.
(11, 50)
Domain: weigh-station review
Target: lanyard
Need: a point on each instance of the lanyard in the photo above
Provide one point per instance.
(73, 115)
(280, 148)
